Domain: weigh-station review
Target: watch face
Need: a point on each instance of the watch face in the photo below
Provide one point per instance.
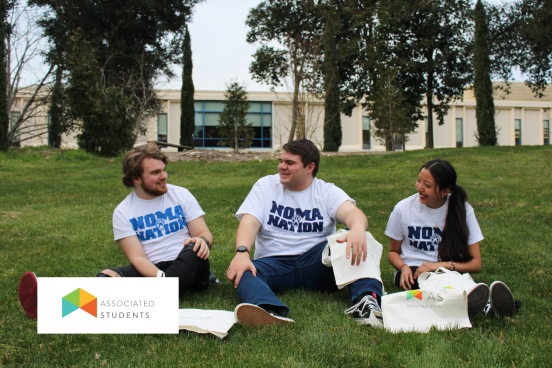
(241, 249)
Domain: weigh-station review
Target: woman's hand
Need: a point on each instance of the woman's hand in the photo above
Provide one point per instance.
(406, 278)
(427, 267)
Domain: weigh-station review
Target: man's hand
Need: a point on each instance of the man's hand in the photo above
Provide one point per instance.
(356, 246)
(238, 266)
(200, 247)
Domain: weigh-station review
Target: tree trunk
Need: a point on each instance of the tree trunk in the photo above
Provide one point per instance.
(4, 113)
(236, 136)
(429, 95)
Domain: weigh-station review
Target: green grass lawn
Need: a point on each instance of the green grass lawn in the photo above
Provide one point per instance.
(55, 220)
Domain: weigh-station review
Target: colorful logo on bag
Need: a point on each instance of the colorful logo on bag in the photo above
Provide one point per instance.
(447, 287)
(79, 299)
(413, 294)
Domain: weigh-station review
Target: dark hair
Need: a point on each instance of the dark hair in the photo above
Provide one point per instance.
(454, 240)
(306, 150)
(132, 163)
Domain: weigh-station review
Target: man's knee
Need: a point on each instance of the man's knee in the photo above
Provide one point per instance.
(109, 273)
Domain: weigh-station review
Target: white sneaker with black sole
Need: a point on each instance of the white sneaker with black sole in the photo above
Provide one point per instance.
(502, 301)
(366, 312)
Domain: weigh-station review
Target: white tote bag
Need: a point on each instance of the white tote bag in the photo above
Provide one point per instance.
(334, 255)
(421, 310)
(443, 278)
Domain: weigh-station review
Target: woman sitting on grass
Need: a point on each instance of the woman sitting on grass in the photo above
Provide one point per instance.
(435, 228)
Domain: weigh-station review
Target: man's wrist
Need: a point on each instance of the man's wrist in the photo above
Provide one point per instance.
(242, 249)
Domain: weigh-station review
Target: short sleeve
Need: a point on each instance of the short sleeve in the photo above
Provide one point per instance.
(191, 207)
(253, 203)
(122, 228)
(475, 234)
(334, 198)
(394, 225)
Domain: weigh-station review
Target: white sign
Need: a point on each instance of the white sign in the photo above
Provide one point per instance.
(83, 305)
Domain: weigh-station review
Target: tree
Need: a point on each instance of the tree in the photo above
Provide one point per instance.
(105, 112)
(134, 43)
(187, 115)
(4, 119)
(232, 121)
(56, 112)
(428, 43)
(482, 85)
(297, 26)
(388, 108)
(524, 33)
(332, 106)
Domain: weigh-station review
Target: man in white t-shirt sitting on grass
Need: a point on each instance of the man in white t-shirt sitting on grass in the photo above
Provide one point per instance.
(159, 227)
(288, 216)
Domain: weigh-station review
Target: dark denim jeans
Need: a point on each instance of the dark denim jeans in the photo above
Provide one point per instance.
(192, 272)
(305, 271)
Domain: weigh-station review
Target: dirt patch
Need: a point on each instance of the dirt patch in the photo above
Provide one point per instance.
(226, 156)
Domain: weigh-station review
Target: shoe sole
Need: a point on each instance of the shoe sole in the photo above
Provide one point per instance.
(28, 294)
(253, 316)
(477, 299)
(502, 300)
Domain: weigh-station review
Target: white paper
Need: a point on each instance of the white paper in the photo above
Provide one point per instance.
(215, 322)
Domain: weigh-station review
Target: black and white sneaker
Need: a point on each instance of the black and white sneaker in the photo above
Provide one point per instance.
(477, 299)
(502, 300)
(367, 311)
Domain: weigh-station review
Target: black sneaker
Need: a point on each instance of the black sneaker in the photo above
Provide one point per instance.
(367, 311)
(502, 300)
(477, 299)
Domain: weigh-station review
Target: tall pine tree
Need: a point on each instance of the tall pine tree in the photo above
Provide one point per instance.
(187, 115)
(332, 105)
(4, 113)
(55, 125)
(482, 85)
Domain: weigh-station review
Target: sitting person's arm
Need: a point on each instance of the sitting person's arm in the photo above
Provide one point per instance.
(132, 248)
(198, 230)
(472, 266)
(249, 227)
(394, 257)
(348, 214)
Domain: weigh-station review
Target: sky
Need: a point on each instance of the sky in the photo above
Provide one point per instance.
(220, 51)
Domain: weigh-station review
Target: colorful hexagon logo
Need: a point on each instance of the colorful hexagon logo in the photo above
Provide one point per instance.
(79, 299)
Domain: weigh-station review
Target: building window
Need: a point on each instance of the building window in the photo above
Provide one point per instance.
(162, 127)
(517, 127)
(398, 142)
(206, 123)
(459, 133)
(546, 131)
(366, 133)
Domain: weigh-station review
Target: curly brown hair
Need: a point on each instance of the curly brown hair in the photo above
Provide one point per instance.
(132, 163)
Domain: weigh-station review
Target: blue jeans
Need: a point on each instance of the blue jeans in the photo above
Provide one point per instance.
(305, 271)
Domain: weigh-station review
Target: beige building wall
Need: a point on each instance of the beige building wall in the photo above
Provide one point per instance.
(519, 104)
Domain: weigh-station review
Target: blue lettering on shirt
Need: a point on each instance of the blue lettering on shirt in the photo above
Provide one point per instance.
(426, 239)
(159, 224)
(295, 219)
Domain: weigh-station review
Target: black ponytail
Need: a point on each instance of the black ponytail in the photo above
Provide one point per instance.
(454, 239)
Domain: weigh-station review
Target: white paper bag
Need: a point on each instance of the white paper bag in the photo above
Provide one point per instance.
(420, 310)
(334, 255)
(215, 322)
(443, 278)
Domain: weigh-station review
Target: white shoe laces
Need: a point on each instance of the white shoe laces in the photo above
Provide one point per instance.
(365, 301)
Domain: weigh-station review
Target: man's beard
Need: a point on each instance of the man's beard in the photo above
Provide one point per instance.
(153, 190)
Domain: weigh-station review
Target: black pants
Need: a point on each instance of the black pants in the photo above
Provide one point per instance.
(398, 278)
(192, 271)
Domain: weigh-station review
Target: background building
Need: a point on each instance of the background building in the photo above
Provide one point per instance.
(521, 119)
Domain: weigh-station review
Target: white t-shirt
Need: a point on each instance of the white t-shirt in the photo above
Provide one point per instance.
(414, 224)
(159, 223)
(291, 222)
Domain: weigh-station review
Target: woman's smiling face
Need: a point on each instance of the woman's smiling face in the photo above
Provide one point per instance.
(428, 190)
